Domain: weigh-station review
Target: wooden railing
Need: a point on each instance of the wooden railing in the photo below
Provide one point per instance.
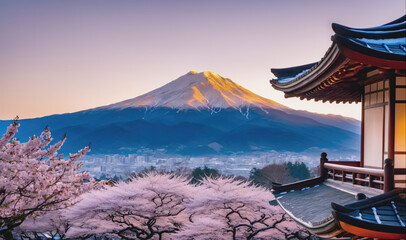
(356, 175)
(352, 172)
(347, 163)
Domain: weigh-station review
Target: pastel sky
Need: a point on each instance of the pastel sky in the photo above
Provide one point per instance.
(70, 55)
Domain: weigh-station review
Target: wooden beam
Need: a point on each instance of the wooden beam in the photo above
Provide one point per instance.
(391, 133)
(389, 181)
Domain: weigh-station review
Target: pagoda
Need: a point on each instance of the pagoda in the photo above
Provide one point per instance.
(364, 198)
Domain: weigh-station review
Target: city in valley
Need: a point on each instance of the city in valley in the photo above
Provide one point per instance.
(235, 164)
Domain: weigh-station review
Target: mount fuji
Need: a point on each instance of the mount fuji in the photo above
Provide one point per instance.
(197, 114)
(206, 90)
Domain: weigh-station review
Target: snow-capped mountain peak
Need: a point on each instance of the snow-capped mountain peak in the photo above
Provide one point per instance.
(205, 90)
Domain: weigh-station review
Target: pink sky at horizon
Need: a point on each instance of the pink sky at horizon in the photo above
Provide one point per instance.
(66, 56)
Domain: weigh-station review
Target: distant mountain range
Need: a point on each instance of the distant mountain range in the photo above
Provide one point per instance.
(196, 114)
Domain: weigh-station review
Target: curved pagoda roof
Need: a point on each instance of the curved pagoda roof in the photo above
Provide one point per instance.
(339, 75)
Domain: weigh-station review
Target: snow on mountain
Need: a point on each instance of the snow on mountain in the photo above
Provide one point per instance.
(205, 90)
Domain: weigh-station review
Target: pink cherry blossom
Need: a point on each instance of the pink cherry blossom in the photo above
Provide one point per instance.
(151, 206)
(34, 180)
(226, 208)
(165, 206)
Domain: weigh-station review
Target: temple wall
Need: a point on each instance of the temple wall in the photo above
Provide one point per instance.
(376, 123)
(373, 137)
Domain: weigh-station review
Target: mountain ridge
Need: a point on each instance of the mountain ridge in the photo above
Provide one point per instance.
(233, 119)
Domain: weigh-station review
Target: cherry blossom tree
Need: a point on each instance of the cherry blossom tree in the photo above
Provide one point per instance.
(226, 208)
(151, 206)
(34, 178)
(50, 225)
(164, 206)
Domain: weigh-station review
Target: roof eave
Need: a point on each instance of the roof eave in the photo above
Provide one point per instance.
(330, 63)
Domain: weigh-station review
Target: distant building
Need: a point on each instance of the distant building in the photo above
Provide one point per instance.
(366, 66)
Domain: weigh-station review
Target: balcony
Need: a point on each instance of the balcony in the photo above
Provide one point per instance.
(351, 171)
